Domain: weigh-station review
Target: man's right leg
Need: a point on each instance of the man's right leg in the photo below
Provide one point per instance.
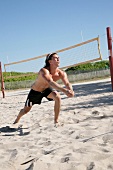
(22, 112)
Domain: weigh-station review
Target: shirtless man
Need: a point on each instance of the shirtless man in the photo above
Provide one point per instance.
(44, 87)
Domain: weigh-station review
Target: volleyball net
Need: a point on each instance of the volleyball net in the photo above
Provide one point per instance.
(84, 52)
(77, 54)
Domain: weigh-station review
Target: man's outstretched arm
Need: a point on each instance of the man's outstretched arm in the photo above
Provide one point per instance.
(66, 82)
(53, 84)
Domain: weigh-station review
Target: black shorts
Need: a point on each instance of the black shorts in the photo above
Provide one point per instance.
(35, 97)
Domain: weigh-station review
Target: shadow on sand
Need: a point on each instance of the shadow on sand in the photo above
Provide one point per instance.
(9, 131)
(102, 92)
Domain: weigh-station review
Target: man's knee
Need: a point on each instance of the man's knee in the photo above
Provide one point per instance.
(57, 96)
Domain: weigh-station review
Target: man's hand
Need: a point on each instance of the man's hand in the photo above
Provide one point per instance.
(69, 93)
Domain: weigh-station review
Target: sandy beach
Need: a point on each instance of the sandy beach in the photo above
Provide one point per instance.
(82, 141)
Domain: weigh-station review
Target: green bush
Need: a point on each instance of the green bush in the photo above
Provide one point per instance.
(89, 67)
(18, 76)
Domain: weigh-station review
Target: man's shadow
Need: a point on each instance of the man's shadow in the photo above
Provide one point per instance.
(11, 131)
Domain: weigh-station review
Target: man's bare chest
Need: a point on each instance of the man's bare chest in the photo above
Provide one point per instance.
(55, 76)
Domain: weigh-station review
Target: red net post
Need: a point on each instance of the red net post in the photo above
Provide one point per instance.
(109, 39)
(2, 81)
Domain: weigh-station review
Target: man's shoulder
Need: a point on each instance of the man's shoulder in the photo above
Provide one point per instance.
(61, 72)
(44, 70)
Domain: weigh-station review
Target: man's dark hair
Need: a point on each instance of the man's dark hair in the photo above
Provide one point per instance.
(48, 57)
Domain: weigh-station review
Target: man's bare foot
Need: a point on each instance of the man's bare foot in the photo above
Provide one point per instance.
(15, 121)
(58, 124)
(55, 121)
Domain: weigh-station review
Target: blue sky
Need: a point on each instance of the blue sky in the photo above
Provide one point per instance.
(30, 28)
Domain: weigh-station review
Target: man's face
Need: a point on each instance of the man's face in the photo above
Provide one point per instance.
(55, 60)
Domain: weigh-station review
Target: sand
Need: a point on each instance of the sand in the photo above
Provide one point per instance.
(82, 141)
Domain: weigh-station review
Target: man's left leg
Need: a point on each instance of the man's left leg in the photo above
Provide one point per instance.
(56, 97)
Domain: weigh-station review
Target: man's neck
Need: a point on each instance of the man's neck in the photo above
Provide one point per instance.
(53, 70)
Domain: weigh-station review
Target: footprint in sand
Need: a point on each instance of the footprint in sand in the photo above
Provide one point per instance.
(14, 153)
(95, 112)
(110, 167)
(108, 139)
(91, 166)
(66, 159)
